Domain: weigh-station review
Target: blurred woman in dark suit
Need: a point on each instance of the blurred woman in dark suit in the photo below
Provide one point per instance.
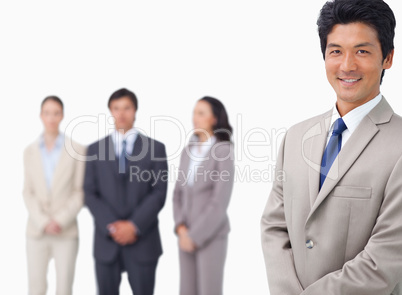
(200, 200)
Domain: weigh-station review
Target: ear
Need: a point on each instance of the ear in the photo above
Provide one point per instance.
(387, 63)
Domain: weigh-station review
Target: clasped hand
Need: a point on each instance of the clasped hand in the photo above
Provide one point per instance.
(186, 244)
(123, 232)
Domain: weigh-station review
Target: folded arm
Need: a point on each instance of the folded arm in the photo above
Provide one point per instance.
(102, 213)
(74, 203)
(204, 228)
(147, 211)
(32, 203)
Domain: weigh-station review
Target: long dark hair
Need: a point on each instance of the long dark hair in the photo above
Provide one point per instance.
(222, 129)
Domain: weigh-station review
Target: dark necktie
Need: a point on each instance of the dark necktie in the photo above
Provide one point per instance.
(122, 158)
(332, 149)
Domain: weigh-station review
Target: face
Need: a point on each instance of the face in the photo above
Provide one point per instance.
(354, 63)
(51, 115)
(203, 117)
(123, 111)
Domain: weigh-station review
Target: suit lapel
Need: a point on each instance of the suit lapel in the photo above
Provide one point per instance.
(37, 159)
(60, 166)
(138, 153)
(109, 154)
(203, 166)
(185, 160)
(356, 144)
(318, 133)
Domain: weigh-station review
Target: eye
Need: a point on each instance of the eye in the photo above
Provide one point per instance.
(335, 52)
(362, 51)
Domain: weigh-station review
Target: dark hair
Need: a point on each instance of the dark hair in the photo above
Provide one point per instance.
(52, 98)
(374, 13)
(222, 128)
(123, 92)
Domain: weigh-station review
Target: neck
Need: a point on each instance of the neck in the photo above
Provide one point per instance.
(204, 137)
(123, 130)
(345, 107)
(50, 136)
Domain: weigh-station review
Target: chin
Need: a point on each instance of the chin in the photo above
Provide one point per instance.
(348, 97)
(121, 127)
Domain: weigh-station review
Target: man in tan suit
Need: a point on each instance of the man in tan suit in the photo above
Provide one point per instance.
(53, 195)
(333, 221)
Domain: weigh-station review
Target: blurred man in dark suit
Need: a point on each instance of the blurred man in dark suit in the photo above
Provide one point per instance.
(125, 188)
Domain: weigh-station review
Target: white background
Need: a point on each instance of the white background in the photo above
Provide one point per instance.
(262, 59)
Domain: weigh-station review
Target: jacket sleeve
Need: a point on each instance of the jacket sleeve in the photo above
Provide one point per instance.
(102, 213)
(278, 254)
(32, 203)
(204, 228)
(75, 202)
(147, 211)
(377, 269)
(178, 198)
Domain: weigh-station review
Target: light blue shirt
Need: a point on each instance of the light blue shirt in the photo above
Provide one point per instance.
(130, 136)
(50, 158)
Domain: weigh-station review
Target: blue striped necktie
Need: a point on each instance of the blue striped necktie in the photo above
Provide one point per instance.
(122, 158)
(332, 149)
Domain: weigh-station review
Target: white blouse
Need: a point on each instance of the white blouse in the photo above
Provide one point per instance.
(197, 154)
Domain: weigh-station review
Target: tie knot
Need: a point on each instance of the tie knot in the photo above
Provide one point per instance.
(339, 126)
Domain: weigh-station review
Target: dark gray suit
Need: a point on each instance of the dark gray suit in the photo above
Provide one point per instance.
(137, 195)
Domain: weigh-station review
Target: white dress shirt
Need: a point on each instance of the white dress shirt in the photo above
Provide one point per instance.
(197, 154)
(51, 157)
(353, 118)
(130, 136)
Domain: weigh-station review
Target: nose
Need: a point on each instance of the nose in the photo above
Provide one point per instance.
(348, 62)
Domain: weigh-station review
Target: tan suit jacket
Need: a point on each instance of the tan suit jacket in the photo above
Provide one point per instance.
(345, 239)
(63, 200)
(202, 207)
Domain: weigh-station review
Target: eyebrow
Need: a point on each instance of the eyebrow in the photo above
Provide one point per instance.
(365, 44)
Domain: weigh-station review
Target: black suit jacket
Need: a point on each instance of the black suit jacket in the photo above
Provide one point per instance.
(146, 186)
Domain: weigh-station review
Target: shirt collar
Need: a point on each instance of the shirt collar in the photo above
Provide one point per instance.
(210, 141)
(57, 144)
(129, 136)
(353, 118)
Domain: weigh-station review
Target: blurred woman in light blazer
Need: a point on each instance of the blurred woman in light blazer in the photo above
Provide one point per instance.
(200, 200)
(53, 195)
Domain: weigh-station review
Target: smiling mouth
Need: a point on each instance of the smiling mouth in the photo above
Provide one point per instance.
(350, 80)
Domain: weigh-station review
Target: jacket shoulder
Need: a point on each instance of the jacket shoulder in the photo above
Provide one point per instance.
(78, 147)
(31, 147)
(153, 142)
(94, 147)
(223, 147)
(304, 126)
(396, 119)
